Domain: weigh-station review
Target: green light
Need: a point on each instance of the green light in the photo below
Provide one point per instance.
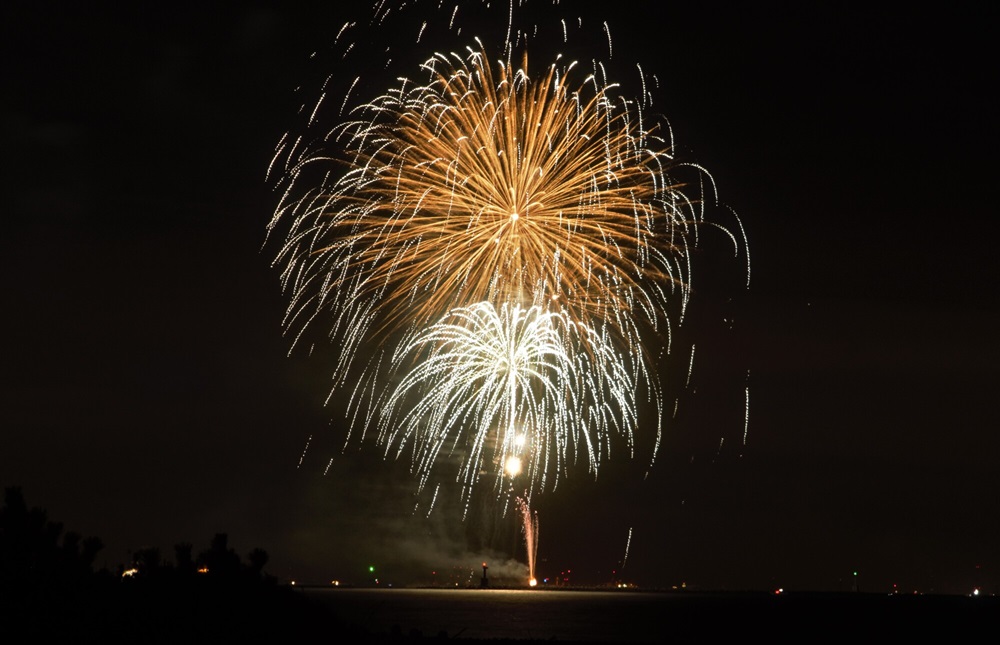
(371, 569)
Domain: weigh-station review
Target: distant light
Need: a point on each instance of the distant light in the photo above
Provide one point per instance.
(335, 583)
(128, 573)
(532, 582)
(513, 466)
(292, 583)
(203, 570)
(371, 568)
(975, 592)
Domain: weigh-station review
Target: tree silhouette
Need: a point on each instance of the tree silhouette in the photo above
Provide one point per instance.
(31, 556)
(184, 559)
(48, 586)
(221, 561)
(257, 559)
(148, 562)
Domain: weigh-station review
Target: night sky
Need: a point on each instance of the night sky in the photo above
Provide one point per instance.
(148, 397)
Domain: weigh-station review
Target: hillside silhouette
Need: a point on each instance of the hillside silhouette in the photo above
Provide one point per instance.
(49, 589)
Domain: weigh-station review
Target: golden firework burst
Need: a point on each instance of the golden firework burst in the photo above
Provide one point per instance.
(486, 185)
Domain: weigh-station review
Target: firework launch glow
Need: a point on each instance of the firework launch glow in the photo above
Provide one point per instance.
(499, 250)
(529, 527)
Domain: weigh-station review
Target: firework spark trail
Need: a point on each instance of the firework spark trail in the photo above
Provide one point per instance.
(746, 411)
(304, 451)
(529, 527)
(628, 543)
(509, 383)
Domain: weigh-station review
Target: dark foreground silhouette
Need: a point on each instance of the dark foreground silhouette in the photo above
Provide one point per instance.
(50, 592)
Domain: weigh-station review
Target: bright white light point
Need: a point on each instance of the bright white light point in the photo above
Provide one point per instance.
(514, 216)
(532, 582)
(519, 441)
(513, 466)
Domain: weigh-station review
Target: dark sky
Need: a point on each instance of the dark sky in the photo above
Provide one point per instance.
(148, 398)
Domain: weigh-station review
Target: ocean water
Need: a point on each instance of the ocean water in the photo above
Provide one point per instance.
(647, 617)
(500, 613)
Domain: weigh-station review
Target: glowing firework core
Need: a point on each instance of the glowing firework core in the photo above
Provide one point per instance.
(432, 211)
